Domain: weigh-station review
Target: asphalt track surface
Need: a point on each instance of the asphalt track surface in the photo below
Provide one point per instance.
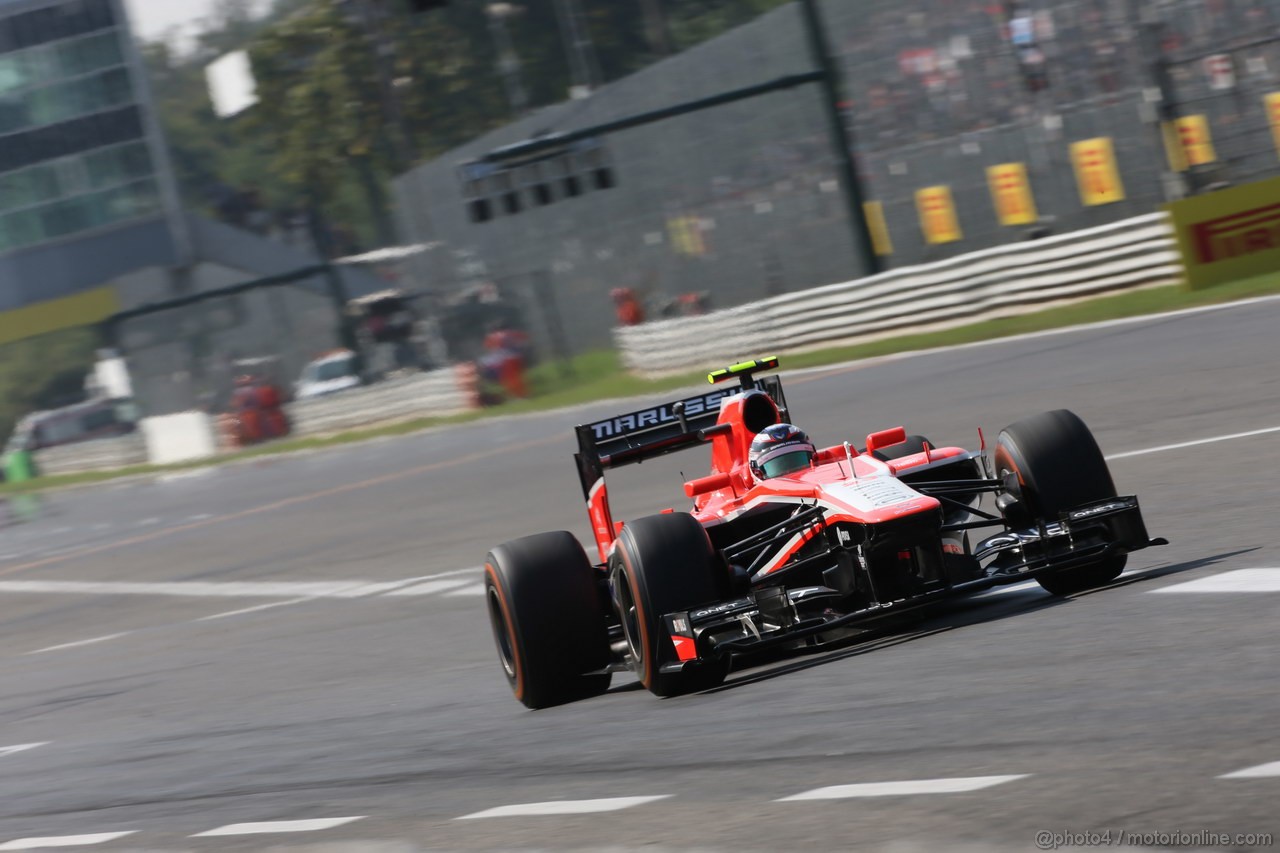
(1116, 710)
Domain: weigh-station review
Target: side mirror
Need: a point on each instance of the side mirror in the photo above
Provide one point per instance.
(829, 454)
(705, 485)
(886, 438)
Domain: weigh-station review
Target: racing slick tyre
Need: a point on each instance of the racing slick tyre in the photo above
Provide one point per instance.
(1058, 467)
(665, 563)
(548, 619)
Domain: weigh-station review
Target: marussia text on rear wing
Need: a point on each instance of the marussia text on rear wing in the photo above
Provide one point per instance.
(656, 431)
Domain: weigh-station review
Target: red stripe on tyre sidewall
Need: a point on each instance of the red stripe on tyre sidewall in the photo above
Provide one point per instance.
(646, 677)
(516, 650)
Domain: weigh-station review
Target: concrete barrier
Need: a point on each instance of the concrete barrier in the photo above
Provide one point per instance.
(102, 454)
(436, 393)
(180, 437)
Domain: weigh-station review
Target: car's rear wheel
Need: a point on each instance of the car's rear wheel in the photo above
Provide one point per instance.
(1057, 466)
(663, 564)
(548, 619)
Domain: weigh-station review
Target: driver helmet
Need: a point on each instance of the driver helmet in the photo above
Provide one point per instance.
(780, 449)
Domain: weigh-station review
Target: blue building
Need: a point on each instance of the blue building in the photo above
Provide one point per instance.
(91, 222)
(85, 189)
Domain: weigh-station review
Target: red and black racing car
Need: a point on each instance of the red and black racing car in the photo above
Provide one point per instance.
(801, 555)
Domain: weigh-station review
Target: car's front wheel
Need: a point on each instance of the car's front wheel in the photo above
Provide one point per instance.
(548, 619)
(663, 564)
(1056, 466)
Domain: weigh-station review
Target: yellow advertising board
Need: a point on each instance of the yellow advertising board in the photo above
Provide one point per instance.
(1273, 117)
(1011, 193)
(938, 215)
(83, 309)
(1096, 173)
(686, 235)
(880, 242)
(1197, 142)
(1173, 147)
(1188, 142)
(1229, 234)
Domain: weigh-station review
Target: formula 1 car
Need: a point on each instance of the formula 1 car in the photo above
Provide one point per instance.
(801, 560)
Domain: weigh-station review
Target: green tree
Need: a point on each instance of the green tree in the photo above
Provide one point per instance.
(325, 129)
(694, 21)
(43, 372)
(318, 91)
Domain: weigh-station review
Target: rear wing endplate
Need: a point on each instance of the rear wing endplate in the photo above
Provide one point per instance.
(656, 431)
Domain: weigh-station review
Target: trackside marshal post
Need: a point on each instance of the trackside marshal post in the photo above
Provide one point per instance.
(1229, 234)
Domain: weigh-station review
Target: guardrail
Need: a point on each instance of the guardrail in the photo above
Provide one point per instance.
(999, 282)
(439, 392)
(190, 435)
(102, 454)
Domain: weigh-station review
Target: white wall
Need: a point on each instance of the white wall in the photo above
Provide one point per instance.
(180, 437)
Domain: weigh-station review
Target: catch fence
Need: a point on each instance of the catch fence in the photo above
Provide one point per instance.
(741, 202)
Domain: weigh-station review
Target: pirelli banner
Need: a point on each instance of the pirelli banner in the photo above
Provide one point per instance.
(1229, 234)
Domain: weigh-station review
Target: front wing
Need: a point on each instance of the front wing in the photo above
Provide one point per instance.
(776, 615)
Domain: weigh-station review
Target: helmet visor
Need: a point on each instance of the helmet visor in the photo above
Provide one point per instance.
(786, 463)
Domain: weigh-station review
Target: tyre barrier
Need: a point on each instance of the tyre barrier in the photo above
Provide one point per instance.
(469, 383)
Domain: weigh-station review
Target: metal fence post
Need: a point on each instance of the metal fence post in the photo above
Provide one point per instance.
(334, 284)
(841, 137)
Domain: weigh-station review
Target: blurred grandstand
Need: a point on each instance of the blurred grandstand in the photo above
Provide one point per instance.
(742, 202)
(963, 66)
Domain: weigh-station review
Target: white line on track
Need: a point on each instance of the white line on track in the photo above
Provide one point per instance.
(1239, 580)
(21, 747)
(474, 589)
(1262, 771)
(370, 588)
(41, 843)
(391, 588)
(898, 789)
(207, 589)
(562, 807)
(194, 589)
(292, 590)
(193, 474)
(429, 588)
(256, 608)
(1180, 445)
(77, 643)
(467, 571)
(271, 826)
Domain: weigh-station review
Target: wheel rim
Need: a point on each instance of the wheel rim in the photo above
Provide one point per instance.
(506, 650)
(630, 618)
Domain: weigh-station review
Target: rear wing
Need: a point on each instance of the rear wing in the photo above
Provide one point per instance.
(656, 431)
